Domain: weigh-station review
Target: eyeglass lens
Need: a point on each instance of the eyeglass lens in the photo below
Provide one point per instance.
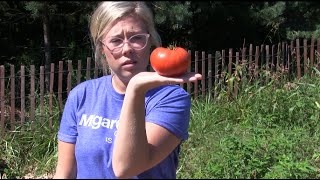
(137, 42)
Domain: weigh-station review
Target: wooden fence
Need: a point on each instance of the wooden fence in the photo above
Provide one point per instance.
(24, 97)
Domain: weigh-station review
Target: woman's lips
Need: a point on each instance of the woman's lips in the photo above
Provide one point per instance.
(128, 65)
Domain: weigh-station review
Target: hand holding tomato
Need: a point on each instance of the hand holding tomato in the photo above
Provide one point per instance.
(170, 62)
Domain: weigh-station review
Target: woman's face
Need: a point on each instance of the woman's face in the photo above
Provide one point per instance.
(127, 59)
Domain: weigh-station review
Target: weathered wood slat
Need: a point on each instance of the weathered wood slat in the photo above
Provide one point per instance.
(42, 94)
(22, 94)
(203, 72)
(12, 98)
(196, 69)
(32, 93)
(2, 101)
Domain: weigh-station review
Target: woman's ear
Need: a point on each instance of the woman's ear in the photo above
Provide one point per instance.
(103, 55)
(102, 52)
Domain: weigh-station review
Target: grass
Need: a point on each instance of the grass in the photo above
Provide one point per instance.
(29, 150)
(267, 131)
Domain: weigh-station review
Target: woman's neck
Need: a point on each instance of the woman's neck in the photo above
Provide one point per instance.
(119, 85)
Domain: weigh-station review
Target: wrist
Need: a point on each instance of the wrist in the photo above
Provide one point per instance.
(136, 88)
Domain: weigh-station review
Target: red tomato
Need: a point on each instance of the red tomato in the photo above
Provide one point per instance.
(170, 62)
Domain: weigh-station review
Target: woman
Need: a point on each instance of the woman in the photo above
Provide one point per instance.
(129, 124)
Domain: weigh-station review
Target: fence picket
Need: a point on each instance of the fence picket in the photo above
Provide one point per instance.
(256, 62)
(229, 71)
(267, 62)
(60, 76)
(41, 94)
(189, 70)
(305, 56)
(32, 93)
(209, 74)
(312, 54)
(2, 101)
(272, 58)
(203, 72)
(318, 51)
(51, 94)
(216, 75)
(69, 80)
(298, 59)
(22, 94)
(88, 68)
(12, 98)
(287, 63)
(196, 69)
(235, 89)
(79, 72)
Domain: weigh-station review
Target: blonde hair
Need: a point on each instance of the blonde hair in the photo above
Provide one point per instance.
(108, 12)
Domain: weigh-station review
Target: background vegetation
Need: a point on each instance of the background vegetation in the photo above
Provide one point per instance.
(34, 32)
(267, 132)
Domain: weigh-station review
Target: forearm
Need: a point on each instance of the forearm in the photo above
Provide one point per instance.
(131, 150)
(61, 173)
(66, 165)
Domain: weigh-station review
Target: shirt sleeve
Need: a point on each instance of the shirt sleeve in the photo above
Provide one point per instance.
(68, 124)
(171, 110)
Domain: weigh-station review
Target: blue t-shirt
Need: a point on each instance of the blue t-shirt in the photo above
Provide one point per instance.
(91, 118)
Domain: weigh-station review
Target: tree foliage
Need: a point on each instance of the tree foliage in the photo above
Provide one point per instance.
(196, 25)
(288, 20)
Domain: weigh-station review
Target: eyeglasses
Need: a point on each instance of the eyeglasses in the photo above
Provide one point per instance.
(137, 42)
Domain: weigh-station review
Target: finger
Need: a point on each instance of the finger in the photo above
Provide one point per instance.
(188, 77)
(191, 76)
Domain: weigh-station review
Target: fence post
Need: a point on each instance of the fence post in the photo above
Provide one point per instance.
(278, 58)
(2, 101)
(189, 70)
(223, 71)
(267, 63)
(12, 98)
(216, 75)
(32, 95)
(88, 68)
(69, 78)
(272, 58)
(51, 94)
(262, 58)
(95, 75)
(230, 71)
(22, 90)
(60, 72)
(305, 56)
(250, 66)
(256, 63)
(79, 72)
(203, 72)
(312, 54)
(209, 74)
(237, 77)
(196, 59)
(318, 53)
(41, 93)
(298, 59)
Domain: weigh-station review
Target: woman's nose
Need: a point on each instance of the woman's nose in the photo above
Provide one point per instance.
(126, 47)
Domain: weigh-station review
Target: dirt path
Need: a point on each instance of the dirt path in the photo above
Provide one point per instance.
(32, 176)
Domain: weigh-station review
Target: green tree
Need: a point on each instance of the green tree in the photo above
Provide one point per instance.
(288, 20)
(173, 20)
(43, 10)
